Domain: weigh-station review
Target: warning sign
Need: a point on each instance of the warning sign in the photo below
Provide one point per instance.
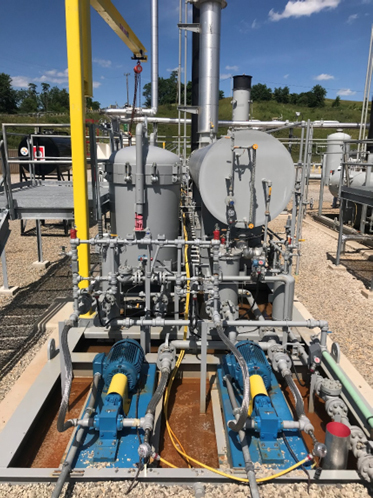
(39, 153)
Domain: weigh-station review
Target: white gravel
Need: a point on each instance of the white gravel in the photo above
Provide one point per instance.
(118, 489)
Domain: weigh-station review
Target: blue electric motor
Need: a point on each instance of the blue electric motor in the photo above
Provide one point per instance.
(256, 362)
(126, 357)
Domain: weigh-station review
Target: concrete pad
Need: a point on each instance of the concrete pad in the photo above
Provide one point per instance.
(28, 377)
(367, 294)
(339, 268)
(368, 254)
(8, 292)
(42, 265)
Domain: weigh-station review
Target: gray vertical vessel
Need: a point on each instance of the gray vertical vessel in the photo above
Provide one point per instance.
(160, 178)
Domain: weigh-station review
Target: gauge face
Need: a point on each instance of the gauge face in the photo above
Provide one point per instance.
(238, 192)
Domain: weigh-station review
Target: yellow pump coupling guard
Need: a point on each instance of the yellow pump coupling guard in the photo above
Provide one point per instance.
(256, 387)
(119, 385)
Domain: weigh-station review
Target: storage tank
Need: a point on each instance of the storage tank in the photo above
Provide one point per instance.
(211, 170)
(161, 199)
(334, 155)
(49, 146)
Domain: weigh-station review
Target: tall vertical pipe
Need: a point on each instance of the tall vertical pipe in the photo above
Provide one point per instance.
(195, 79)
(209, 64)
(154, 52)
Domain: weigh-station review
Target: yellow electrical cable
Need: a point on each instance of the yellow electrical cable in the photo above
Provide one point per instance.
(174, 440)
(242, 479)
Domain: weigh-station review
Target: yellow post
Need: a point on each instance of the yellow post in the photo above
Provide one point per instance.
(87, 48)
(77, 119)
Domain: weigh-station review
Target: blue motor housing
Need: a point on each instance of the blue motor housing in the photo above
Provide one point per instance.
(256, 362)
(126, 357)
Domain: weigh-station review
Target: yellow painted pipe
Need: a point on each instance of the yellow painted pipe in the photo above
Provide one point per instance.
(74, 39)
(119, 385)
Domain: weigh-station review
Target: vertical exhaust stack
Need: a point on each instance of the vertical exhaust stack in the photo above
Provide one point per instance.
(209, 65)
(241, 97)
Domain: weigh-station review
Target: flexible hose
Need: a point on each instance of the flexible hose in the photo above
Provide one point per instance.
(158, 393)
(236, 425)
(66, 467)
(63, 425)
(299, 405)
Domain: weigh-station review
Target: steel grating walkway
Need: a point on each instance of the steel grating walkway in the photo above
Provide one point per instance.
(47, 200)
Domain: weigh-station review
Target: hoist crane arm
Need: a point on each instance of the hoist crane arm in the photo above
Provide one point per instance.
(114, 19)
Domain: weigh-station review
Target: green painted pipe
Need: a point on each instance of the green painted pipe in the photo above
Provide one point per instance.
(366, 412)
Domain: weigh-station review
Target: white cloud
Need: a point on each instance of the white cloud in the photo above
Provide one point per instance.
(324, 77)
(102, 62)
(96, 84)
(286, 76)
(102, 77)
(345, 92)
(255, 24)
(20, 81)
(352, 18)
(170, 70)
(225, 76)
(54, 76)
(231, 68)
(51, 76)
(299, 8)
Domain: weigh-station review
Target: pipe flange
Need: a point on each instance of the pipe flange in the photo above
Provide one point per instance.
(166, 356)
(357, 438)
(330, 387)
(336, 406)
(365, 467)
(281, 362)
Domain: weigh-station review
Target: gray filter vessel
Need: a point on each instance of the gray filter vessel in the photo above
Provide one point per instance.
(160, 194)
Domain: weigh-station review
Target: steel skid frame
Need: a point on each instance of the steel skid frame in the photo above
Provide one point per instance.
(14, 435)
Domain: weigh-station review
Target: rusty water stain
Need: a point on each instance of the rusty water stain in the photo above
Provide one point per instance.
(46, 446)
(195, 431)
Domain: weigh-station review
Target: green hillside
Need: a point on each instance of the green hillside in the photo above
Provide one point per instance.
(348, 111)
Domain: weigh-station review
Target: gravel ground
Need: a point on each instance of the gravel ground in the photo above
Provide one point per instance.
(331, 295)
(118, 489)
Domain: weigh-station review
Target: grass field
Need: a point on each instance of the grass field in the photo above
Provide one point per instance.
(348, 111)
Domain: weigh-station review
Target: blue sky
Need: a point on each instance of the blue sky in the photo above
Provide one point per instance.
(298, 43)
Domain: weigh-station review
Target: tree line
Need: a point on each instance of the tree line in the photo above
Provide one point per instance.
(168, 91)
(314, 98)
(31, 100)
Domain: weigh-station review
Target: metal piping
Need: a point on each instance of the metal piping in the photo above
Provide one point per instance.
(249, 466)
(154, 52)
(122, 113)
(209, 64)
(66, 467)
(351, 390)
